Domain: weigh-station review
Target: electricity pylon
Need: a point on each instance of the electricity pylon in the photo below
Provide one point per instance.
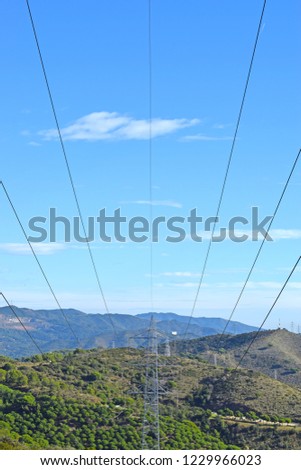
(151, 388)
(150, 424)
(167, 348)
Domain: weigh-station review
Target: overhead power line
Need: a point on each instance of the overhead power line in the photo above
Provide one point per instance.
(68, 165)
(38, 262)
(228, 165)
(261, 246)
(150, 149)
(268, 314)
(151, 422)
(21, 323)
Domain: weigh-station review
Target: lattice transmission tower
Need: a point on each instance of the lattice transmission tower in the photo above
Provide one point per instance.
(152, 390)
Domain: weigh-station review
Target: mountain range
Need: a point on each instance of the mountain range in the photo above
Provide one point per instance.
(91, 399)
(50, 329)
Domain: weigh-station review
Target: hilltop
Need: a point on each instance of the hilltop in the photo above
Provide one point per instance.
(276, 353)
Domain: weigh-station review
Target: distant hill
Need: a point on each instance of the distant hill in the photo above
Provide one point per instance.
(198, 326)
(85, 400)
(51, 332)
(276, 353)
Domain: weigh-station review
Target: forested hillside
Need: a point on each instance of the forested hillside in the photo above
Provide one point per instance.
(89, 400)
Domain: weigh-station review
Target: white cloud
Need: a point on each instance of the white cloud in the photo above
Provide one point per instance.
(114, 126)
(39, 248)
(34, 144)
(284, 234)
(275, 234)
(181, 274)
(273, 285)
(221, 126)
(288, 269)
(258, 287)
(267, 286)
(204, 138)
(155, 203)
(186, 284)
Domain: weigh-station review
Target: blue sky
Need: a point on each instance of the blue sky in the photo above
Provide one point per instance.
(96, 55)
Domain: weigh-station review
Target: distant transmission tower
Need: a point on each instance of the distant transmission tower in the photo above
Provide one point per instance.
(215, 359)
(150, 424)
(167, 348)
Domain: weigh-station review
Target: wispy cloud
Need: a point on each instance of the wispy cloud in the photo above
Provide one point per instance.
(164, 203)
(262, 28)
(273, 285)
(32, 143)
(40, 248)
(275, 234)
(114, 126)
(181, 274)
(204, 138)
(258, 286)
(283, 234)
(221, 126)
(186, 284)
(25, 133)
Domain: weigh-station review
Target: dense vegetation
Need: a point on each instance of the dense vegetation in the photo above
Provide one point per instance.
(84, 400)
